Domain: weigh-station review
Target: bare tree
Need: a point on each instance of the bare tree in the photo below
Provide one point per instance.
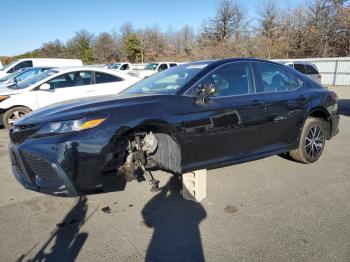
(318, 30)
(105, 48)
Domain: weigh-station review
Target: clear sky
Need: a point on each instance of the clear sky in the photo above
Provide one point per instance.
(26, 24)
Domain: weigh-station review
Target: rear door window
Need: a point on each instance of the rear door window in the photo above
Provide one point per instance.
(173, 65)
(102, 78)
(274, 78)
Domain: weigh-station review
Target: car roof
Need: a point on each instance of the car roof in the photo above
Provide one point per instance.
(162, 62)
(37, 67)
(299, 62)
(68, 69)
(230, 60)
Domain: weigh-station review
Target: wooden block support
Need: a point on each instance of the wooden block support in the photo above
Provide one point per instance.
(194, 185)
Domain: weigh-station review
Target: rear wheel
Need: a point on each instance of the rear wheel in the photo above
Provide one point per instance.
(14, 114)
(312, 142)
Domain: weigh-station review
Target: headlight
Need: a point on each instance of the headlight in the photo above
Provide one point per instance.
(2, 98)
(63, 127)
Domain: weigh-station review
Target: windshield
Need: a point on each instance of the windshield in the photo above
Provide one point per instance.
(151, 66)
(39, 77)
(12, 75)
(27, 74)
(114, 66)
(167, 81)
(9, 65)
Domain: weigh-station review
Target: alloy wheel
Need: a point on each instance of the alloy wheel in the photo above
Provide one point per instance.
(16, 115)
(314, 142)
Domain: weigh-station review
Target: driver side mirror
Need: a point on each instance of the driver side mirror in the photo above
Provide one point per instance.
(45, 87)
(204, 91)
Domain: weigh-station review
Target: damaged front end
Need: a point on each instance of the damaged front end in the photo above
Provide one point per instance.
(138, 158)
(88, 162)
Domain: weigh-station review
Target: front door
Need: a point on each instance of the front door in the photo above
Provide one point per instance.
(229, 123)
(66, 87)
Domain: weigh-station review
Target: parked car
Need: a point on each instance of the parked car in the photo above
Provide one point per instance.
(38, 62)
(21, 75)
(196, 116)
(120, 66)
(308, 69)
(152, 68)
(59, 84)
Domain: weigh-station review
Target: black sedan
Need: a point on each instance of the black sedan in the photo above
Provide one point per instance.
(199, 115)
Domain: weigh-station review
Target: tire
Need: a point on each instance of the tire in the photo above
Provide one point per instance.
(312, 141)
(13, 114)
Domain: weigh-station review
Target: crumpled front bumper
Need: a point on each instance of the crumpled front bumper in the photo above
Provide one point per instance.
(38, 174)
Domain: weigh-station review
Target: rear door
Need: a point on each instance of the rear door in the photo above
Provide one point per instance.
(66, 87)
(230, 123)
(284, 103)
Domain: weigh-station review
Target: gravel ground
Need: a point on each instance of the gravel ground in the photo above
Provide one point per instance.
(272, 209)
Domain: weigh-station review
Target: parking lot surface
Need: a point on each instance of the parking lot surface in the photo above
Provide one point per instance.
(272, 209)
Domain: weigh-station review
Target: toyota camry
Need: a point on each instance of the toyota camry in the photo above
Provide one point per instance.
(199, 115)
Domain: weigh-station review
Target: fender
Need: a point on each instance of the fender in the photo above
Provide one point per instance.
(318, 112)
(151, 124)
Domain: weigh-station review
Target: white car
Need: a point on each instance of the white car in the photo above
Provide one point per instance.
(152, 68)
(38, 62)
(21, 75)
(124, 67)
(57, 85)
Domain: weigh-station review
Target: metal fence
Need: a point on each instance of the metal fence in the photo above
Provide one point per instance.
(335, 71)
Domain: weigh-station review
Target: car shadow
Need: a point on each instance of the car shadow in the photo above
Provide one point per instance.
(66, 240)
(175, 223)
(344, 106)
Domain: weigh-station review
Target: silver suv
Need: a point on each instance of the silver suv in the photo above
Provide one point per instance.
(308, 69)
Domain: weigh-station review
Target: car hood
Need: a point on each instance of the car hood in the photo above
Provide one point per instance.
(6, 91)
(78, 108)
(2, 73)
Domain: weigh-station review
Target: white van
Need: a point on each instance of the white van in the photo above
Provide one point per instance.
(38, 62)
(0, 65)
